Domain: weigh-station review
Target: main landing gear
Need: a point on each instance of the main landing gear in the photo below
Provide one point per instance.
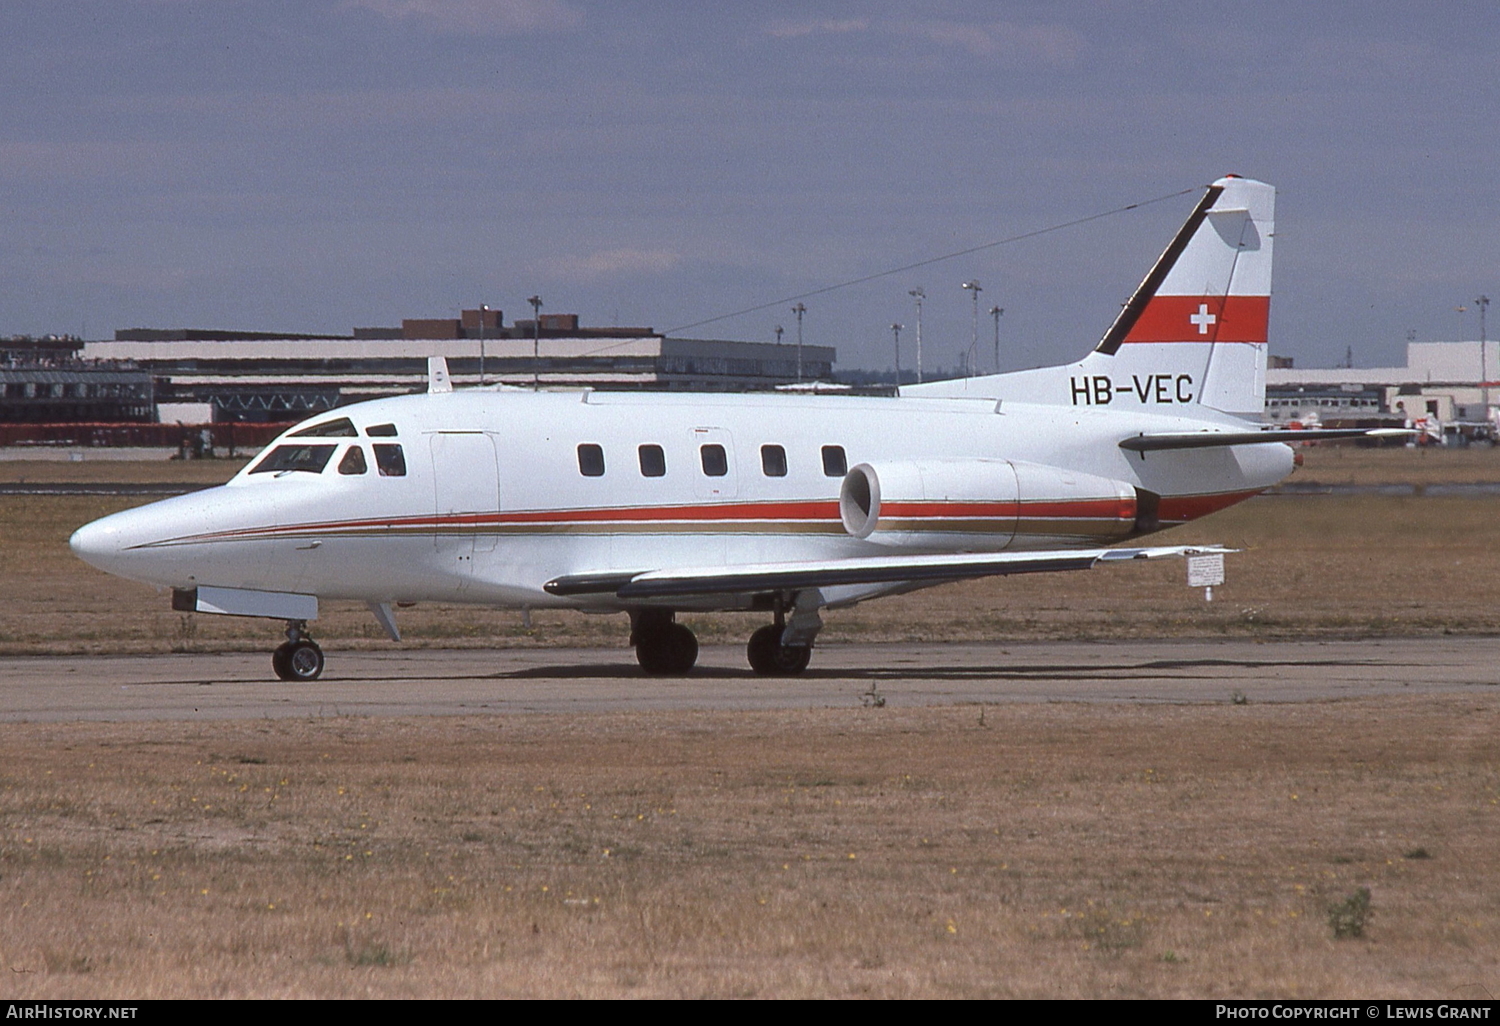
(298, 658)
(663, 647)
(770, 658)
(666, 648)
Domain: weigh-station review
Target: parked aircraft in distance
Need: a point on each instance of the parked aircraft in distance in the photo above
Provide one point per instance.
(657, 504)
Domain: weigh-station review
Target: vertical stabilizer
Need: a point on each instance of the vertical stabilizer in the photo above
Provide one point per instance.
(1192, 334)
(1213, 283)
(437, 375)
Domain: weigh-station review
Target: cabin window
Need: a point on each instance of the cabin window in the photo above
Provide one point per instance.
(715, 460)
(390, 460)
(353, 462)
(381, 431)
(341, 428)
(591, 460)
(835, 464)
(653, 461)
(310, 459)
(773, 460)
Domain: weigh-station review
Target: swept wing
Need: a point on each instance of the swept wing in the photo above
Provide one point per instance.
(762, 578)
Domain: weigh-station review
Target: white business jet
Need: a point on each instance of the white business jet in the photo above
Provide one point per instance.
(656, 504)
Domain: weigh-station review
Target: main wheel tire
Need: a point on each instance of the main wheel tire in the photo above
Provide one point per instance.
(770, 658)
(278, 660)
(303, 661)
(671, 650)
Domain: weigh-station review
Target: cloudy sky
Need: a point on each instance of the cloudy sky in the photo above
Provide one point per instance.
(313, 165)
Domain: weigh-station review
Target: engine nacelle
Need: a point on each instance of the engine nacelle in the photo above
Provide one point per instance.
(983, 505)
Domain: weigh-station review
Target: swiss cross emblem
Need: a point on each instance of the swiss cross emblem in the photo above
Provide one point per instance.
(1202, 318)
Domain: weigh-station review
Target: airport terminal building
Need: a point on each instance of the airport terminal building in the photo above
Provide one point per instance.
(202, 376)
(1443, 385)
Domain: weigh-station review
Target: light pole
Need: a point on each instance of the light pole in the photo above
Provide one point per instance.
(484, 313)
(896, 330)
(918, 295)
(536, 342)
(799, 310)
(973, 356)
(995, 312)
(1483, 303)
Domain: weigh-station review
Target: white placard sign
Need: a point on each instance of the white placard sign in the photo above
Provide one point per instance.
(1205, 571)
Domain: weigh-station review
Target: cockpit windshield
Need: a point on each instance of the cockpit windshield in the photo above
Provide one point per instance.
(341, 428)
(308, 458)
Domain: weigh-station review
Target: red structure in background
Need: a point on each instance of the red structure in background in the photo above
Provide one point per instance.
(226, 436)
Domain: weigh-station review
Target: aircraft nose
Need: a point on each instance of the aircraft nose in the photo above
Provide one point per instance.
(96, 543)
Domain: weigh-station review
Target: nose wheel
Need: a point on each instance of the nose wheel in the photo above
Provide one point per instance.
(298, 658)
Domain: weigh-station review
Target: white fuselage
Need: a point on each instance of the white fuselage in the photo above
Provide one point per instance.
(498, 497)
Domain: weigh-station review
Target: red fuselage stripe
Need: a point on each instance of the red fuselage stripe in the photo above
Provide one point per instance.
(1172, 509)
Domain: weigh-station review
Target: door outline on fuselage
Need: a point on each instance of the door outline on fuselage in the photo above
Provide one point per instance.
(714, 489)
(466, 485)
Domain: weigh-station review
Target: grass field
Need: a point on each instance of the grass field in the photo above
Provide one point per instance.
(1042, 851)
(1054, 850)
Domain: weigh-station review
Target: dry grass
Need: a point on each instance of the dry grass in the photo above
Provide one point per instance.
(1420, 465)
(1055, 851)
(186, 472)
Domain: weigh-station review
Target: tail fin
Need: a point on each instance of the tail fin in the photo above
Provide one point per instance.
(1213, 283)
(1194, 332)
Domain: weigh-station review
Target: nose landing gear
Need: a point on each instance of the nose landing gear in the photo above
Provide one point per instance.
(298, 658)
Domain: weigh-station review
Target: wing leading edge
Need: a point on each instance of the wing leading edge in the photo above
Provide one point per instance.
(773, 577)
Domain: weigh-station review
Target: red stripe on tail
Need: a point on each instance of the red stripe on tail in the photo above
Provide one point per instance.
(1202, 319)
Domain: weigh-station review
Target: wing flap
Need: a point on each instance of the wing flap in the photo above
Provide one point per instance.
(796, 576)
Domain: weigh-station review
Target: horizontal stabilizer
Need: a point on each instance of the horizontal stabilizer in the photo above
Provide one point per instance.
(1216, 439)
(773, 577)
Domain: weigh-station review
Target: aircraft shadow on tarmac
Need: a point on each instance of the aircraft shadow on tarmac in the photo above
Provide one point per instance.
(1114, 671)
(1110, 671)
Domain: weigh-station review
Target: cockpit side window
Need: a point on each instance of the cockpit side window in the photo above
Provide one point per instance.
(310, 459)
(353, 461)
(341, 428)
(381, 431)
(390, 460)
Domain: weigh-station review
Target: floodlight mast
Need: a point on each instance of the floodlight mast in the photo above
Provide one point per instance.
(536, 342)
(484, 313)
(972, 357)
(995, 312)
(918, 294)
(799, 310)
(1483, 302)
(896, 330)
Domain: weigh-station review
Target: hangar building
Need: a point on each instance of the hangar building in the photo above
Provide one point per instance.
(203, 375)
